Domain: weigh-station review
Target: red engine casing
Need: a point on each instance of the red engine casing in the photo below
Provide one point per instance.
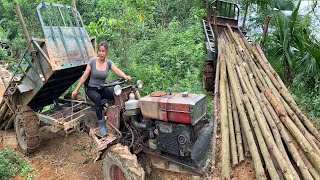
(174, 107)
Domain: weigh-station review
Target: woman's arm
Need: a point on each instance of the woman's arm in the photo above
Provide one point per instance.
(82, 80)
(116, 70)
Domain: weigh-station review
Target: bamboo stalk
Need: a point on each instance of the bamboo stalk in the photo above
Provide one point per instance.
(304, 144)
(266, 133)
(216, 113)
(262, 144)
(225, 146)
(237, 127)
(287, 138)
(3, 112)
(291, 113)
(10, 122)
(259, 171)
(275, 74)
(273, 126)
(234, 154)
(305, 160)
(286, 95)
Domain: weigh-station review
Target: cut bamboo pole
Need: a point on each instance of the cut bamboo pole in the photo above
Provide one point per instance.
(266, 132)
(305, 160)
(10, 122)
(259, 171)
(225, 146)
(292, 114)
(234, 154)
(287, 138)
(216, 114)
(262, 144)
(273, 126)
(285, 94)
(304, 144)
(237, 127)
(3, 112)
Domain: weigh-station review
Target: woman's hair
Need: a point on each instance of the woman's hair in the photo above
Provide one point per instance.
(104, 44)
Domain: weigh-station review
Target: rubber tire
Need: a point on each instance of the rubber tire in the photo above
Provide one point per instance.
(29, 139)
(120, 156)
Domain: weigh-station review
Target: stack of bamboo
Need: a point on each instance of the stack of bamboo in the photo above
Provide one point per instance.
(259, 118)
(6, 114)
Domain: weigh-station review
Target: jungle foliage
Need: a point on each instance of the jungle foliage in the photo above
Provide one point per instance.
(161, 42)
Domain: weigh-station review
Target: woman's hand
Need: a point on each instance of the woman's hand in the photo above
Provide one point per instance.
(127, 78)
(74, 94)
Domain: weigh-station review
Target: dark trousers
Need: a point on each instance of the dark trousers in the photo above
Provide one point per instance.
(96, 95)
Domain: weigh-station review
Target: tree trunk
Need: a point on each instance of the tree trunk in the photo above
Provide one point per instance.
(265, 30)
(245, 15)
(73, 4)
(225, 145)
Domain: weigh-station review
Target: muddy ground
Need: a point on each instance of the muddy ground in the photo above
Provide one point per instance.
(70, 157)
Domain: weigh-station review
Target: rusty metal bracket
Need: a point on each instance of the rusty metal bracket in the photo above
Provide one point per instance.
(34, 40)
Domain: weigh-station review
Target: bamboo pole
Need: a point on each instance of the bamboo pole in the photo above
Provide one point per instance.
(287, 138)
(285, 94)
(273, 126)
(234, 154)
(225, 146)
(304, 144)
(292, 114)
(265, 131)
(259, 171)
(262, 144)
(216, 113)
(10, 122)
(3, 112)
(237, 127)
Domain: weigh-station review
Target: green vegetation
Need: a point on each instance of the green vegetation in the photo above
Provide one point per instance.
(161, 42)
(11, 164)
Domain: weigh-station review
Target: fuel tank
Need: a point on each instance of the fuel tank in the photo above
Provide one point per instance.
(174, 107)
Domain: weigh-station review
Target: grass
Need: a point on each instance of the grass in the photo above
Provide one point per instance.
(11, 164)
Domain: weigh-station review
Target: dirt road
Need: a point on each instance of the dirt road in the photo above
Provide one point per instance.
(70, 157)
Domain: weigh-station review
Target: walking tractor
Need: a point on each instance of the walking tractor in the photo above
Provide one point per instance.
(163, 129)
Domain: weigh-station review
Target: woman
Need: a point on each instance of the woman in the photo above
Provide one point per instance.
(98, 69)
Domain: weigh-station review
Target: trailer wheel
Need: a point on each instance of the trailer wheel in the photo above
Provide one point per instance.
(120, 164)
(27, 130)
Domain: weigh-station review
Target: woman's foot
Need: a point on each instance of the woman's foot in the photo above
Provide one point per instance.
(102, 128)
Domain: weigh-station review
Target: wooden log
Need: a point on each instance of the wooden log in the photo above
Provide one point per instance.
(305, 160)
(287, 96)
(287, 138)
(237, 127)
(262, 144)
(216, 114)
(259, 171)
(10, 122)
(1, 103)
(273, 126)
(253, 69)
(225, 146)
(291, 114)
(266, 132)
(3, 112)
(303, 143)
(234, 154)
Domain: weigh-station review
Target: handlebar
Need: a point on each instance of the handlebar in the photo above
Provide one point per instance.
(113, 83)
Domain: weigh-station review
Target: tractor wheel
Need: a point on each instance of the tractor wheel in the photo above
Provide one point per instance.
(27, 130)
(120, 164)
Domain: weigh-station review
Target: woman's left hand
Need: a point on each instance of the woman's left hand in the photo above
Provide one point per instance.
(127, 78)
